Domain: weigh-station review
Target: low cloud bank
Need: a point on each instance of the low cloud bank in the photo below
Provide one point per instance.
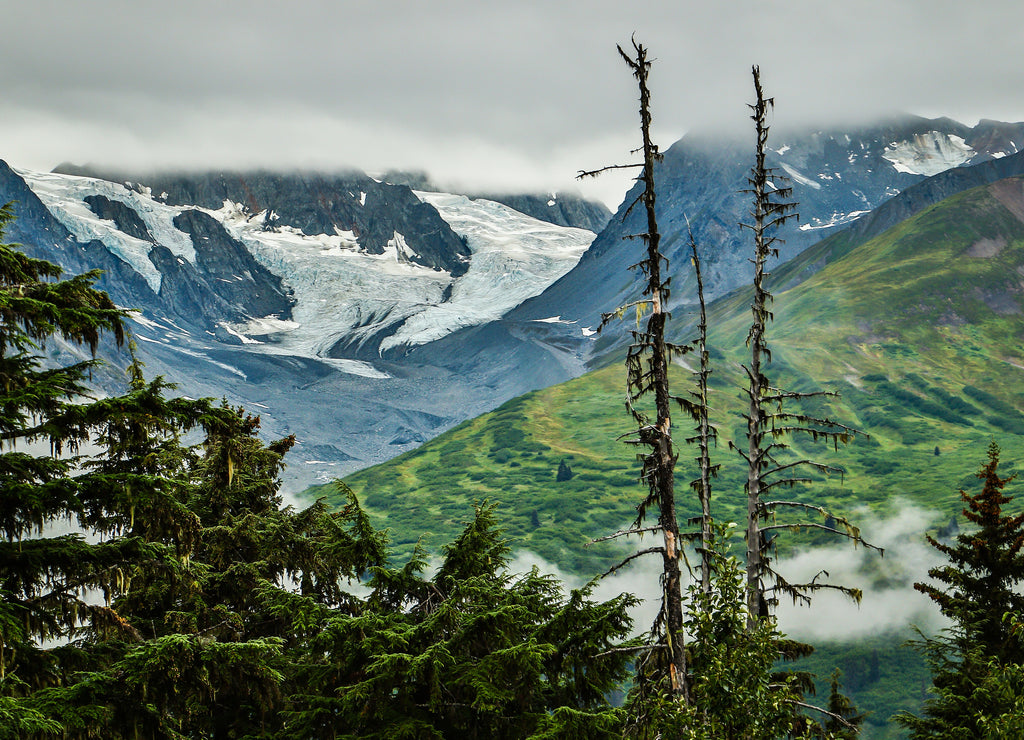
(889, 604)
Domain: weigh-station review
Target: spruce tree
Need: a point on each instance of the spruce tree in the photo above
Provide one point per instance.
(159, 613)
(979, 591)
(45, 576)
(844, 720)
(733, 687)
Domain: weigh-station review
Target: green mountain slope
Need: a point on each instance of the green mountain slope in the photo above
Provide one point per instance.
(920, 330)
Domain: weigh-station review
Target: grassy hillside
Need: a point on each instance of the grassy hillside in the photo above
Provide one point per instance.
(919, 330)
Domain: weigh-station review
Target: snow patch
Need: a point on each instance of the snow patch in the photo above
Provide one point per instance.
(837, 219)
(355, 367)
(245, 340)
(799, 177)
(141, 320)
(928, 154)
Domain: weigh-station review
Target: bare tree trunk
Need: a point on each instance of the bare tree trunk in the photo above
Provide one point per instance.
(764, 214)
(705, 432)
(662, 452)
(647, 364)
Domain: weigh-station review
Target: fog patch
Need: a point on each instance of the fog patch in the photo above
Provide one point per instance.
(890, 603)
(641, 578)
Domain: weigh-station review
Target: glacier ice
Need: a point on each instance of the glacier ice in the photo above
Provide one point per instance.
(342, 292)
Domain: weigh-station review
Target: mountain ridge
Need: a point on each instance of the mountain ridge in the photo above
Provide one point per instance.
(920, 330)
(419, 348)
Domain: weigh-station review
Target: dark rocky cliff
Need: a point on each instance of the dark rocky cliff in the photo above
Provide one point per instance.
(560, 208)
(315, 204)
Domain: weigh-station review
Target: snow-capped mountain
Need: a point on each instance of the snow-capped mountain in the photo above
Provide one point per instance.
(293, 284)
(837, 177)
(863, 180)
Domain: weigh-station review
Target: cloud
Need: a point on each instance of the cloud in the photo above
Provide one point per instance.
(531, 91)
(890, 603)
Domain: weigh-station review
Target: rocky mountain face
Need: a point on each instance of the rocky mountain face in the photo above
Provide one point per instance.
(836, 176)
(559, 208)
(312, 203)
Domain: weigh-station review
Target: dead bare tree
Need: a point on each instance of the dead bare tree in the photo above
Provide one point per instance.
(705, 432)
(769, 424)
(647, 362)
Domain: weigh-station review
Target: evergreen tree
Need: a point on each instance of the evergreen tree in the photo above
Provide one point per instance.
(471, 652)
(159, 614)
(734, 692)
(45, 576)
(979, 591)
(843, 720)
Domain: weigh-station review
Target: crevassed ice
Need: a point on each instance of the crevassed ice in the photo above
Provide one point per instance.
(340, 290)
(514, 257)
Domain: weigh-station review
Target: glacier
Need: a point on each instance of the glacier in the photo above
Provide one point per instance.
(341, 292)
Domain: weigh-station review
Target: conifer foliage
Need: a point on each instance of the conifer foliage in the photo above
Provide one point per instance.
(135, 620)
(471, 651)
(976, 663)
(44, 577)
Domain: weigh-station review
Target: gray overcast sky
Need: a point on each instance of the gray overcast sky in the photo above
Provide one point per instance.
(490, 93)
